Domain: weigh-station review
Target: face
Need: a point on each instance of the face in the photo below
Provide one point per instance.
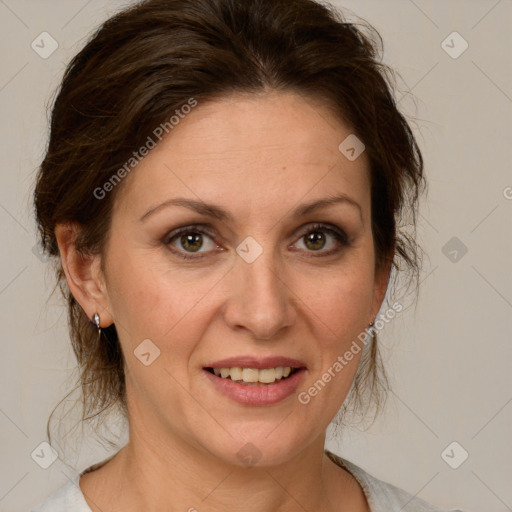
(261, 280)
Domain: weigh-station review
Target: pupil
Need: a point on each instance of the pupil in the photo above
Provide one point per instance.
(185, 239)
(315, 237)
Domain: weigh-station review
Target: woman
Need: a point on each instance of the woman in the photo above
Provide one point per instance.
(222, 191)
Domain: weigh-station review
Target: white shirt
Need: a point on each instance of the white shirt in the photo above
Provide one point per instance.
(381, 496)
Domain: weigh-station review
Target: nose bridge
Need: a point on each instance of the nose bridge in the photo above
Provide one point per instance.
(261, 300)
(259, 266)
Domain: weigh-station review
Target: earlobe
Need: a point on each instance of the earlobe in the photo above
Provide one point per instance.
(82, 274)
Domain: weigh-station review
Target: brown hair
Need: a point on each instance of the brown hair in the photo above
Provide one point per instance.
(150, 59)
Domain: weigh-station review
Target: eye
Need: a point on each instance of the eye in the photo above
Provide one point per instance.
(191, 240)
(316, 238)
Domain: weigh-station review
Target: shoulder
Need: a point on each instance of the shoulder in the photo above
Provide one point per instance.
(68, 498)
(383, 496)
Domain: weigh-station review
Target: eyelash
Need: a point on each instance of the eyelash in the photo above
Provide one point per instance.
(339, 235)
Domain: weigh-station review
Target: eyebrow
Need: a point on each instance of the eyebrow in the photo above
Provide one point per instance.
(217, 212)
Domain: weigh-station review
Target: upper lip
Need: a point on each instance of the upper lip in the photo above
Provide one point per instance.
(255, 362)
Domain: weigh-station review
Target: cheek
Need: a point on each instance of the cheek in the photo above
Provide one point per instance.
(338, 315)
(337, 303)
(152, 300)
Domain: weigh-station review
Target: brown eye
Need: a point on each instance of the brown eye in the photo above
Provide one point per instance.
(319, 236)
(192, 242)
(315, 240)
(189, 240)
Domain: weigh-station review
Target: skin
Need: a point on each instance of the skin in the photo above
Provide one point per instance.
(258, 157)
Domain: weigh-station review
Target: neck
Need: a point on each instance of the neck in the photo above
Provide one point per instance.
(185, 478)
(163, 469)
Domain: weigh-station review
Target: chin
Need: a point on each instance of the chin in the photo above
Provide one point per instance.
(260, 449)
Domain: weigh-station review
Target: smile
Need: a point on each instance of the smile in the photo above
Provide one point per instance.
(245, 387)
(254, 376)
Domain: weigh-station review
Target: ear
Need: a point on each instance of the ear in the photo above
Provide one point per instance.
(382, 275)
(84, 276)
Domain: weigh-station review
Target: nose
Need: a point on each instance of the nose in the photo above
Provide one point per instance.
(260, 300)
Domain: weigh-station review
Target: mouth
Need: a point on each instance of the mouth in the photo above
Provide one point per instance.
(254, 376)
(249, 386)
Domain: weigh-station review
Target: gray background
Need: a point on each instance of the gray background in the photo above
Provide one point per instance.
(449, 360)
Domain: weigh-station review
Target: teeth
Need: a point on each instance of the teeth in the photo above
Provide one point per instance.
(250, 375)
(235, 373)
(268, 375)
(253, 375)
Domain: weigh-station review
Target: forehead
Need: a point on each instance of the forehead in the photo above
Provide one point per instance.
(252, 150)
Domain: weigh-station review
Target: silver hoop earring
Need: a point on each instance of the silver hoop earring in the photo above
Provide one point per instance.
(96, 319)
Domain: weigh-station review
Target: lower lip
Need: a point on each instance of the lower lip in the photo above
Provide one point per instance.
(266, 394)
